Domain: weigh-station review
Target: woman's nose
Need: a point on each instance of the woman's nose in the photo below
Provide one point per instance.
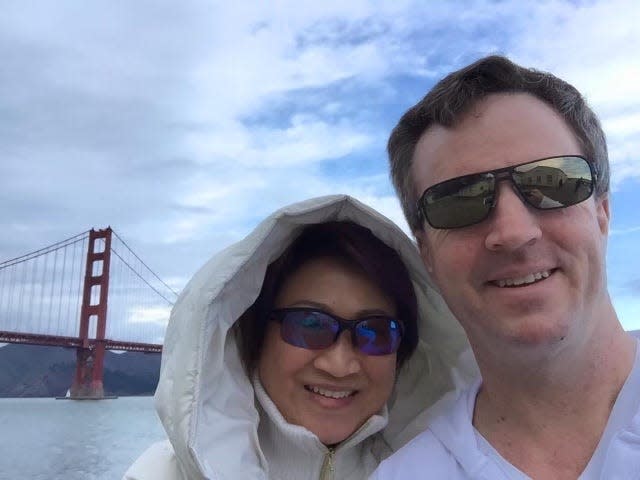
(340, 359)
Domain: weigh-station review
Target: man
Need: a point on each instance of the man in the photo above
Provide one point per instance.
(503, 175)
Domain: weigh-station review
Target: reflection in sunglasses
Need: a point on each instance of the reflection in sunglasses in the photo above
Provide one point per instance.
(544, 184)
(314, 329)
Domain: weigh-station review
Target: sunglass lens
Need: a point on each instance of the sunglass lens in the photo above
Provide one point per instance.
(308, 329)
(554, 182)
(378, 335)
(459, 202)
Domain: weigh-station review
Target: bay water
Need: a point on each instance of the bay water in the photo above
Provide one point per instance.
(48, 439)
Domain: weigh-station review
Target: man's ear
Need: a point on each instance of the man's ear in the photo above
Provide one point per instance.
(603, 214)
(423, 247)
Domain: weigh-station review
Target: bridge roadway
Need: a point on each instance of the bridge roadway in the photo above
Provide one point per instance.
(76, 342)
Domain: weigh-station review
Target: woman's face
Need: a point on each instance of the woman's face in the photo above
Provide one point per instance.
(333, 391)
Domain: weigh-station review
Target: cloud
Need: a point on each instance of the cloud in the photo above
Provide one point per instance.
(304, 140)
(628, 310)
(593, 46)
(185, 128)
(159, 315)
(624, 231)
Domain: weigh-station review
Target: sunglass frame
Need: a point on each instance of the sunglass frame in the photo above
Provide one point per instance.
(344, 324)
(499, 174)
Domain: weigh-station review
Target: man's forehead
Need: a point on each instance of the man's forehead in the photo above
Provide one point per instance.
(499, 130)
(429, 146)
(455, 141)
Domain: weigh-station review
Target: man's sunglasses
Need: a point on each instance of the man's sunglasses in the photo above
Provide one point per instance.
(314, 329)
(545, 184)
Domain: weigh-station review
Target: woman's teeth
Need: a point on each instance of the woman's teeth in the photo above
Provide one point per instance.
(330, 393)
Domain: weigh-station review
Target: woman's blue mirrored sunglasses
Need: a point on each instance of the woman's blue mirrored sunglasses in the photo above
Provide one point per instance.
(314, 329)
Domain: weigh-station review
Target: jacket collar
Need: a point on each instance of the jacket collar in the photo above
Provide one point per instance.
(293, 451)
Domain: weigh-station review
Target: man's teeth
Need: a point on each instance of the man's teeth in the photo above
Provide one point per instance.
(531, 278)
(330, 393)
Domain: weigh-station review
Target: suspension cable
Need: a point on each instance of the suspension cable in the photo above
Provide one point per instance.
(146, 266)
(43, 251)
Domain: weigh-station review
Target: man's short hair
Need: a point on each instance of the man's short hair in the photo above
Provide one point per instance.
(453, 96)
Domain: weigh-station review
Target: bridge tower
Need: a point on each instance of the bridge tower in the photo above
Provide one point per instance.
(87, 382)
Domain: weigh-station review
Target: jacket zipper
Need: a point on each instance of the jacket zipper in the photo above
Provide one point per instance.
(328, 470)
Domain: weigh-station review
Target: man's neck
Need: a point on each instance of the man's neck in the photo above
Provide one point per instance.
(546, 418)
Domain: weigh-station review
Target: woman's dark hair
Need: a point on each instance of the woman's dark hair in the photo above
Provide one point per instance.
(350, 243)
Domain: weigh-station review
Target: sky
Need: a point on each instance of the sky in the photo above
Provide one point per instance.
(183, 124)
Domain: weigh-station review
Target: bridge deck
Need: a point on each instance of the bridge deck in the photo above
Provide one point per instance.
(75, 342)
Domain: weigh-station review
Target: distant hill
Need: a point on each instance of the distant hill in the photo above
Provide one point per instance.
(41, 371)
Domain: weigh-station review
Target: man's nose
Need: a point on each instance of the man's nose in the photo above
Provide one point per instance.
(340, 359)
(513, 224)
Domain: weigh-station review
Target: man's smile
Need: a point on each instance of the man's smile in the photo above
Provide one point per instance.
(516, 281)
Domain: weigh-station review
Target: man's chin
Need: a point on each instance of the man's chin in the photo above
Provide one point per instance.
(538, 329)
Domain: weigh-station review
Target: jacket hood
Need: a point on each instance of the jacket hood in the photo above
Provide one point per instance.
(204, 398)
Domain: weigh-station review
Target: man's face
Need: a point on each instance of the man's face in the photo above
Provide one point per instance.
(555, 256)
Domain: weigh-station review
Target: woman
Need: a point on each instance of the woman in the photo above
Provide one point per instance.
(312, 372)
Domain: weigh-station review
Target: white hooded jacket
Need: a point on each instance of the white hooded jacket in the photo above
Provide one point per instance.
(220, 427)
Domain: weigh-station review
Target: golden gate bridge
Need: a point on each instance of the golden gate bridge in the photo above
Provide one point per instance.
(90, 292)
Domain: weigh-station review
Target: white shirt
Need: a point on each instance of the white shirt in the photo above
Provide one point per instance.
(451, 448)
